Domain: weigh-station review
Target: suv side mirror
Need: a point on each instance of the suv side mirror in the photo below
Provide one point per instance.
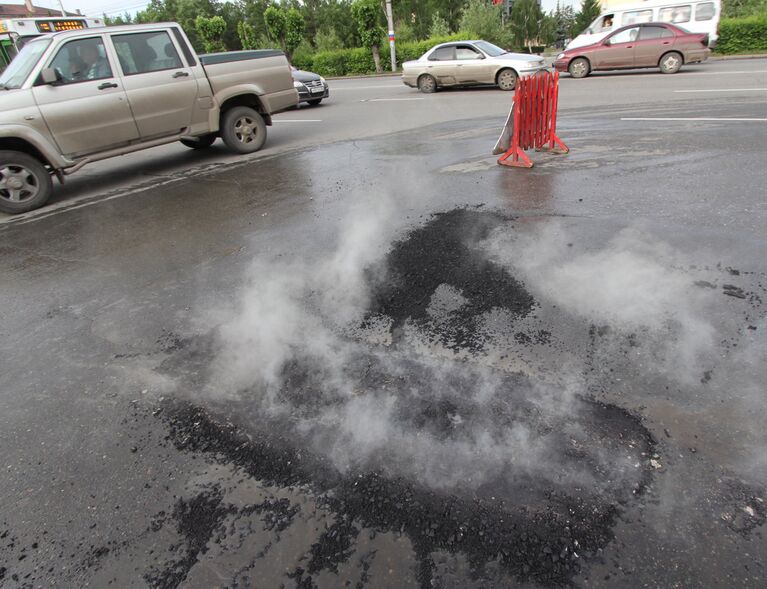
(50, 76)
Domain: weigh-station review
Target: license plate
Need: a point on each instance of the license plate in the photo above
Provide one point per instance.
(316, 90)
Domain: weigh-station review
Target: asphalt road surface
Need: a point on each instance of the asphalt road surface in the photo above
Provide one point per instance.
(370, 357)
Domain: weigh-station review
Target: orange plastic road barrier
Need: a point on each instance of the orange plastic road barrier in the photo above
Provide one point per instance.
(534, 119)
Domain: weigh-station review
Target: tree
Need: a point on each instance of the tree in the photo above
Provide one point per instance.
(590, 9)
(482, 19)
(528, 23)
(211, 32)
(368, 14)
(439, 26)
(276, 24)
(247, 35)
(564, 24)
(295, 28)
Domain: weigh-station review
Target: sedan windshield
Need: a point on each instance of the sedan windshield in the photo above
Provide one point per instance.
(21, 65)
(490, 49)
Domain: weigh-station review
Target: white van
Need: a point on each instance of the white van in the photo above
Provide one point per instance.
(695, 16)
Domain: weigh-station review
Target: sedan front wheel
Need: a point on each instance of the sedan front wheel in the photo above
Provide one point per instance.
(579, 67)
(507, 79)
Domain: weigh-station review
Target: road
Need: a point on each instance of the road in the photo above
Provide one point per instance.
(369, 356)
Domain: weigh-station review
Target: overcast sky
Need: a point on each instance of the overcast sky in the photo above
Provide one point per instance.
(115, 7)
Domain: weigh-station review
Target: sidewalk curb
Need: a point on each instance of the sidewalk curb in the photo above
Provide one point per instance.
(365, 76)
(734, 57)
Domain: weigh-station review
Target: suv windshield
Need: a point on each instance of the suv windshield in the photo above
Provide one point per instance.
(18, 70)
(490, 49)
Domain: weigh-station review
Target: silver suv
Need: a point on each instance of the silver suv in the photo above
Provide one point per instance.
(77, 97)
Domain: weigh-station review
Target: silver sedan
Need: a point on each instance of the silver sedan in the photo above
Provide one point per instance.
(464, 63)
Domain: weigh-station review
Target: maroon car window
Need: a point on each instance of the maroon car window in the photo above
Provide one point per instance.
(625, 36)
(442, 54)
(705, 11)
(654, 33)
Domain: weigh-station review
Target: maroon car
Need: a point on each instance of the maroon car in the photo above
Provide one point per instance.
(636, 46)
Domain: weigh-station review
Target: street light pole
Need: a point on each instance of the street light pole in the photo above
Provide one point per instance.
(390, 18)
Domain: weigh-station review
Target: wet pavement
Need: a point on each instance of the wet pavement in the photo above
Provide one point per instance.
(393, 363)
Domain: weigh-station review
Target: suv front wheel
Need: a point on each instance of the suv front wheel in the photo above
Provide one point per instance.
(25, 184)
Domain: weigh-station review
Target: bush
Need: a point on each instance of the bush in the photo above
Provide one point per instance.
(742, 35)
(360, 61)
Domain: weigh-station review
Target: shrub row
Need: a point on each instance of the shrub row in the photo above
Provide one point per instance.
(742, 35)
(344, 62)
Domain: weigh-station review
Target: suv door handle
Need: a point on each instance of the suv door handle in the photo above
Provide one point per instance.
(181, 74)
(106, 85)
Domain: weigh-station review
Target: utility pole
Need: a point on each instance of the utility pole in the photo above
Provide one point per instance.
(390, 18)
(61, 6)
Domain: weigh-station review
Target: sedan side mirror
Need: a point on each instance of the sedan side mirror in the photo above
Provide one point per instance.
(50, 76)
(606, 42)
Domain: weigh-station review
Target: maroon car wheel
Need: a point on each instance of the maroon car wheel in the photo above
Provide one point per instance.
(579, 67)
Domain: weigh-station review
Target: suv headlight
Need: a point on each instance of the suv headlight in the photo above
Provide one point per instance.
(324, 83)
(297, 84)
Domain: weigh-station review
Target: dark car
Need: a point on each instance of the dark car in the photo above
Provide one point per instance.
(654, 44)
(312, 88)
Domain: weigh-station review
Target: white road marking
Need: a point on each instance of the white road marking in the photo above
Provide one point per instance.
(724, 90)
(744, 120)
(388, 99)
(296, 120)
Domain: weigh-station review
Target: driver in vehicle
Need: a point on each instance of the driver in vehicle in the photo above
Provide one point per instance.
(96, 66)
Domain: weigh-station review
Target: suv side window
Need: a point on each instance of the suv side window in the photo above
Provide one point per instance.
(650, 32)
(82, 60)
(466, 52)
(140, 53)
(442, 54)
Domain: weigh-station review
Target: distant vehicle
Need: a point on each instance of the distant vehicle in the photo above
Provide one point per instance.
(660, 45)
(76, 97)
(466, 63)
(312, 88)
(15, 32)
(696, 16)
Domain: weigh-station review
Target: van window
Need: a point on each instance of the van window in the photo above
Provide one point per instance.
(675, 14)
(705, 11)
(602, 24)
(637, 16)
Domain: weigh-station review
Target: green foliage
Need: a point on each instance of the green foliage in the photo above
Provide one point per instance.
(359, 61)
(247, 35)
(276, 23)
(211, 31)
(303, 55)
(405, 32)
(743, 35)
(328, 40)
(482, 20)
(590, 10)
(439, 26)
(296, 28)
(368, 16)
(528, 22)
(742, 8)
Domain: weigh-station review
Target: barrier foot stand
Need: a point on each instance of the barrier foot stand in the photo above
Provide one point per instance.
(557, 145)
(515, 158)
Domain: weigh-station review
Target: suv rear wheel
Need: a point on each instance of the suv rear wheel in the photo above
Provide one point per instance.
(25, 184)
(243, 129)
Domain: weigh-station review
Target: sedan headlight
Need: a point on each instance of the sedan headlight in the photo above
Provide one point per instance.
(297, 84)
(560, 56)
